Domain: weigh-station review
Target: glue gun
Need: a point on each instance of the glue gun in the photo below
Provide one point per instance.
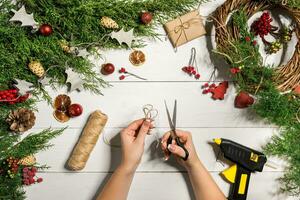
(246, 161)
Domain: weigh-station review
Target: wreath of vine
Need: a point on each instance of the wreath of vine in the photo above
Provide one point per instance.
(273, 88)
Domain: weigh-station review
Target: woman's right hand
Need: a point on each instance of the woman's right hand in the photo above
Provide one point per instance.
(186, 138)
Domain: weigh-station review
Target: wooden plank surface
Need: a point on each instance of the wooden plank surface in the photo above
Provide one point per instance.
(198, 113)
(145, 186)
(105, 158)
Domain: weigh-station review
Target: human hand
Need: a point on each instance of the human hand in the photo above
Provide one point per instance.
(186, 138)
(133, 140)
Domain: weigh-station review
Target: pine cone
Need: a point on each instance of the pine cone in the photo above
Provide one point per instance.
(37, 68)
(21, 120)
(65, 46)
(27, 161)
(108, 22)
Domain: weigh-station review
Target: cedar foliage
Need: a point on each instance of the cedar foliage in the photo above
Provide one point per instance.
(74, 21)
(279, 109)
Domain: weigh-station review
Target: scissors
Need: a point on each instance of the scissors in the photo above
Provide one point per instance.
(173, 136)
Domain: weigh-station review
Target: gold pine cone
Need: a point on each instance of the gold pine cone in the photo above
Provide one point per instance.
(37, 68)
(27, 161)
(108, 22)
(21, 120)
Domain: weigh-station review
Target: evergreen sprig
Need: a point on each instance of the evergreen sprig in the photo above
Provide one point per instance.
(279, 109)
(74, 21)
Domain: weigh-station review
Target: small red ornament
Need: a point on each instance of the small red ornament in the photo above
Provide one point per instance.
(219, 91)
(75, 110)
(296, 90)
(46, 30)
(146, 17)
(254, 42)
(107, 69)
(243, 100)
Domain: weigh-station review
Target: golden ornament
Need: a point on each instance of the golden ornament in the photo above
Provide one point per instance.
(108, 22)
(27, 161)
(37, 68)
(137, 58)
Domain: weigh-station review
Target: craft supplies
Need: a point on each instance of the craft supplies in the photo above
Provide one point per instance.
(87, 140)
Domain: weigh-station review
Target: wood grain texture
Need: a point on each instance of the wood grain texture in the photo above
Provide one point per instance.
(105, 158)
(145, 186)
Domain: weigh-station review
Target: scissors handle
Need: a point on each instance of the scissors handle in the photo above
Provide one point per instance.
(177, 140)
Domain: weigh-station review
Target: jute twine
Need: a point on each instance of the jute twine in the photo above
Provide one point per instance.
(286, 76)
(87, 140)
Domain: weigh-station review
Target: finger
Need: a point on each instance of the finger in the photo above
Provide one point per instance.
(165, 150)
(183, 135)
(176, 150)
(144, 130)
(165, 137)
(135, 124)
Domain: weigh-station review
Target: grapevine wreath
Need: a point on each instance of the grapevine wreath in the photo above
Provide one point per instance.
(276, 90)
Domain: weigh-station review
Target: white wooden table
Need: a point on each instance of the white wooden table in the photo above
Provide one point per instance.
(198, 113)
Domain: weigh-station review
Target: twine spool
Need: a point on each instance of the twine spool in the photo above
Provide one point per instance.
(87, 140)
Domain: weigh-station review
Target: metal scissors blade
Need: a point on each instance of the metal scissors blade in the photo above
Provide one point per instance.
(169, 117)
(174, 116)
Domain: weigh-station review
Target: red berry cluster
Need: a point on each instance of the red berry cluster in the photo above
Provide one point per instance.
(124, 71)
(208, 88)
(11, 96)
(29, 174)
(262, 26)
(235, 70)
(13, 166)
(190, 70)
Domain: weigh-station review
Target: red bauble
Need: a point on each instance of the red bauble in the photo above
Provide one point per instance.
(46, 30)
(146, 17)
(243, 100)
(107, 69)
(296, 90)
(75, 110)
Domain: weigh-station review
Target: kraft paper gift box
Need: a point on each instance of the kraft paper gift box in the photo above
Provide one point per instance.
(185, 28)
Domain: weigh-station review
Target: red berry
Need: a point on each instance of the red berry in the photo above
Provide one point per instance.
(247, 38)
(75, 110)
(206, 85)
(25, 169)
(184, 69)
(34, 169)
(204, 91)
(29, 173)
(31, 181)
(194, 72)
(122, 77)
(122, 70)
(107, 69)
(254, 43)
(212, 85)
(39, 180)
(197, 76)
